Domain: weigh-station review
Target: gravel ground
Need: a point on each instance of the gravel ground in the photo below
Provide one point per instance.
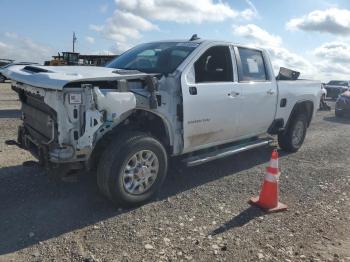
(201, 214)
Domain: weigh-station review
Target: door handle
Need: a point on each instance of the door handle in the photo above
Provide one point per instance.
(233, 94)
(192, 90)
(270, 92)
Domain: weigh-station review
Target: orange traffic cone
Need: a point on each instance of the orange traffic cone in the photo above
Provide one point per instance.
(268, 199)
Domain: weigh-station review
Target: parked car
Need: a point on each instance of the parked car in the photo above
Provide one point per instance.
(335, 88)
(323, 104)
(342, 105)
(323, 91)
(3, 68)
(198, 100)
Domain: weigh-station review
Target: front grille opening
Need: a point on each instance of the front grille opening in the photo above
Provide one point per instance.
(38, 117)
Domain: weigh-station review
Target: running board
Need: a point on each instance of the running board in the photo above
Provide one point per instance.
(225, 152)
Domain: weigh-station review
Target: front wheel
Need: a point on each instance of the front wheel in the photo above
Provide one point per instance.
(132, 169)
(292, 139)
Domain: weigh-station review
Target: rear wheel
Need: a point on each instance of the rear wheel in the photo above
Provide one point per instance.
(132, 169)
(292, 139)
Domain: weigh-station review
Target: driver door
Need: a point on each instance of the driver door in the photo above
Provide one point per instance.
(211, 100)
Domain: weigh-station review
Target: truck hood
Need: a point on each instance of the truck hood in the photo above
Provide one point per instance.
(56, 77)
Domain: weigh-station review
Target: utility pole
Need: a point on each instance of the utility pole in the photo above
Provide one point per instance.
(74, 40)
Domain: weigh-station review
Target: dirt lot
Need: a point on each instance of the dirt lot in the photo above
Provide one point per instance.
(201, 214)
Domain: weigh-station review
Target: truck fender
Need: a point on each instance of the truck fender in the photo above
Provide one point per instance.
(300, 107)
(166, 123)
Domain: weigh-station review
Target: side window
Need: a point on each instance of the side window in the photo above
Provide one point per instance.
(215, 65)
(252, 65)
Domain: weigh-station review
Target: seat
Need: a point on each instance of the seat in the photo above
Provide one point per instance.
(215, 69)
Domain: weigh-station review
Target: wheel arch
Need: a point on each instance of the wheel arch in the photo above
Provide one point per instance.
(158, 121)
(139, 120)
(305, 106)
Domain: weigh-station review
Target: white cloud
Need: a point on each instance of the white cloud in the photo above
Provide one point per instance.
(280, 55)
(250, 12)
(247, 14)
(133, 17)
(332, 71)
(328, 61)
(120, 47)
(334, 60)
(19, 48)
(124, 26)
(183, 11)
(334, 21)
(334, 52)
(255, 33)
(2, 45)
(90, 39)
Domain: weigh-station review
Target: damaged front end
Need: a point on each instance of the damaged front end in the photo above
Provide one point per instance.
(62, 127)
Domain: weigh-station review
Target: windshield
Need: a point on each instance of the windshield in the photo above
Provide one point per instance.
(338, 83)
(161, 57)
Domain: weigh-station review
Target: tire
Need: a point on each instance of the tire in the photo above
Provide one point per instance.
(121, 176)
(290, 141)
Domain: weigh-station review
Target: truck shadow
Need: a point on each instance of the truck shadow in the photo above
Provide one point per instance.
(10, 113)
(35, 209)
(240, 220)
(338, 120)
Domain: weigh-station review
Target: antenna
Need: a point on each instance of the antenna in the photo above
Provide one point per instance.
(74, 40)
(194, 37)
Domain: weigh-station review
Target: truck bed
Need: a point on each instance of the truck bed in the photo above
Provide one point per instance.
(296, 91)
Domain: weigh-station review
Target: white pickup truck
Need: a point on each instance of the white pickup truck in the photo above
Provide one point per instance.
(198, 99)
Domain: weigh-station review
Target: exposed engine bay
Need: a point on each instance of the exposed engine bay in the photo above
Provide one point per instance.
(65, 126)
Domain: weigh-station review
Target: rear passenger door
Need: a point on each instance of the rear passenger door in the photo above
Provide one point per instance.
(259, 92)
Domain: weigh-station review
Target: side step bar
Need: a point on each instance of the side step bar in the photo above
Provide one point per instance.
(225, 152)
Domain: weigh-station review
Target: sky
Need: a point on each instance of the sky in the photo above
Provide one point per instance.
(310, 36)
